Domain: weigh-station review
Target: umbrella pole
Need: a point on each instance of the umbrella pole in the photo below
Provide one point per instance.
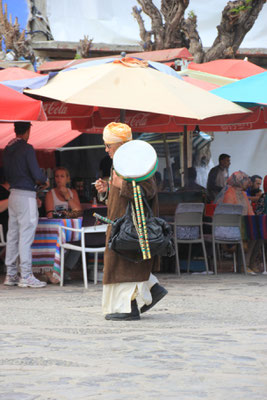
(122, 116)
(185, 153)
(168, 163)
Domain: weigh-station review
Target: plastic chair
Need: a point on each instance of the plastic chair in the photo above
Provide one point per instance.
(226, 229)
(188, 229)
(86, 232)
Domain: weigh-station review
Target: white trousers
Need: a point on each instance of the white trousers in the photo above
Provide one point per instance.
(117, 297)
(22, 223)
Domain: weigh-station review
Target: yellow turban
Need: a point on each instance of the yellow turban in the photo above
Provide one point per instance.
(116, 133)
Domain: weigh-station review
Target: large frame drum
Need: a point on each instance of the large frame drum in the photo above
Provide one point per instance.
(135, 160)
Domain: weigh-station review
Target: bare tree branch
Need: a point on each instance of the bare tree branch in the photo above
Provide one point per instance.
(238, 17)
(84, 47)
(144, 34)
(170, 29)
(173, 12)
(157, 25)
(190, 29)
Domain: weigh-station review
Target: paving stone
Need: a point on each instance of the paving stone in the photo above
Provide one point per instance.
(207, 339)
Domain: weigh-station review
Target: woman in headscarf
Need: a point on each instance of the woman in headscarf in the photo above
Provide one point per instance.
(235, 192)
(124, 280)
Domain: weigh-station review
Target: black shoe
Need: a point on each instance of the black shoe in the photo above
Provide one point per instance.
(133, 315)
(157, 293)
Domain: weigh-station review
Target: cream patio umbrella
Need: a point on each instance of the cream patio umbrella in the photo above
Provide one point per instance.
(135, 86)
(138, 88)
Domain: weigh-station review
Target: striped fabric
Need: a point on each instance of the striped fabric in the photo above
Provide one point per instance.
(45, 248)
(254, 227)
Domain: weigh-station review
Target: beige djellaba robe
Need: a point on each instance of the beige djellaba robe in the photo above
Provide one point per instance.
(124, 280)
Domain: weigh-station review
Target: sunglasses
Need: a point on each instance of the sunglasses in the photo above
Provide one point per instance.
(109, 146)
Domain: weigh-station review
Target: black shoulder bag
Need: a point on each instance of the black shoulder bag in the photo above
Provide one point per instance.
(124, 238)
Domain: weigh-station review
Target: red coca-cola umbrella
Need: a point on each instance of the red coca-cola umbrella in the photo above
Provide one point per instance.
(15, 106)
(147, 122)
(93, 119)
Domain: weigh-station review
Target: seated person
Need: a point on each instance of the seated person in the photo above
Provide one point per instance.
(253, 191)
(61, 198)
(193, 192)
(235, 192)
(57, 200)
(218, 176)
(192, 184)
(78, 185)
(261, 205)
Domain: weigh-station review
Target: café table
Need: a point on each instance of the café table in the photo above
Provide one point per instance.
(46, 248)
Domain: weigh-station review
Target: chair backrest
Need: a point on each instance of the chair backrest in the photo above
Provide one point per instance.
(188, 221)
(189, 214)
(94, 239)
(228, 215)
(227, 222)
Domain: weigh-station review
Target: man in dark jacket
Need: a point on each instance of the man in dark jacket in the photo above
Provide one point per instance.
(24, 175)
(218, 176)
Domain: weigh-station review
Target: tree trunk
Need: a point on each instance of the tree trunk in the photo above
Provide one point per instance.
(191, 32)
(238, 17)
(173, 13)
(157, 26)
(169, 28)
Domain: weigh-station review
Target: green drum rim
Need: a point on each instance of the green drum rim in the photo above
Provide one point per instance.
(142, 178)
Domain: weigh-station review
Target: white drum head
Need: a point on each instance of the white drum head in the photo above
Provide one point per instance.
(135, 160)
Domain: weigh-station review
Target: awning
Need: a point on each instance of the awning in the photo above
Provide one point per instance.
(199, 141)
(46, 137)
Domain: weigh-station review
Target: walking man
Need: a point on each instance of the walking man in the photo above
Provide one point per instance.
(24, 175)
(123, 279)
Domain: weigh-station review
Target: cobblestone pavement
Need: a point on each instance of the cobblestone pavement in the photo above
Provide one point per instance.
(206, 340)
